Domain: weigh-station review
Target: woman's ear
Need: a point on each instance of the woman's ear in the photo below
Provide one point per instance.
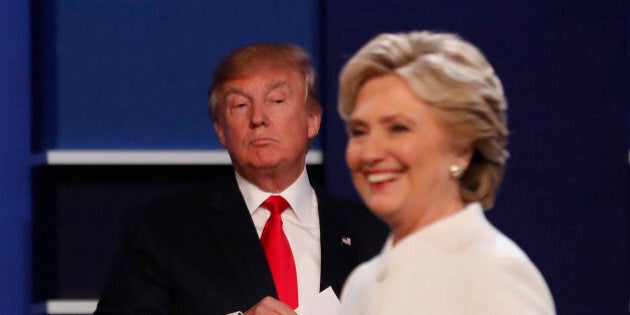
(464, 154)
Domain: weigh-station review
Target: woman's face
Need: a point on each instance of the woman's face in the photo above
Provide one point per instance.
(399, 154)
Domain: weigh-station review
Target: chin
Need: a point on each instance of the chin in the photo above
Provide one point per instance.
(265, 161)
(380, 208)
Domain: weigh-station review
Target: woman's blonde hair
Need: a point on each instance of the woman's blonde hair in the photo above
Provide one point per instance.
(455, 78)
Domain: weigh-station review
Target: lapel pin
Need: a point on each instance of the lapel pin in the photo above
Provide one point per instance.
(345, 240)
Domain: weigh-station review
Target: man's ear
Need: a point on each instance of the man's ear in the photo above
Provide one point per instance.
(218, 128)
(314, 121)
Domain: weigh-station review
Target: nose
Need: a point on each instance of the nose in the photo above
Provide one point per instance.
(258, 116)
(370, 151)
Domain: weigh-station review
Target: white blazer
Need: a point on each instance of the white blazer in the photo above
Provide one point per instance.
(458, 265)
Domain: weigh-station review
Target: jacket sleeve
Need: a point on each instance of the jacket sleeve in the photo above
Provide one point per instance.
(136, 283)
(512, 285)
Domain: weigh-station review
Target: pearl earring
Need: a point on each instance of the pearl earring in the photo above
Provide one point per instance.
(456, 171)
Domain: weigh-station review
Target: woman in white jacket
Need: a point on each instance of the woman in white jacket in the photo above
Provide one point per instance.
(426, 117)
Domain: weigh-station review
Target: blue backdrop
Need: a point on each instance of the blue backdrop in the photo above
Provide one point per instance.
(15, 209)
(134, 74)
(564, 197)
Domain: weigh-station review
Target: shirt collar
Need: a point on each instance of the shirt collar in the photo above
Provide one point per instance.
(451, 233)
(299, 195)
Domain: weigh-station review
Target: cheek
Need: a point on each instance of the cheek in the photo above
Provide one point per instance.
(417, 150)
(353, 160)
(352, 156)
(234, 135)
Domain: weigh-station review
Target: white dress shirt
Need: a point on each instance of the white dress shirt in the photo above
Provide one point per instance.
(458, 265)
(301, 227)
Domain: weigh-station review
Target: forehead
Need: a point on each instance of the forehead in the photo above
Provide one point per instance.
(263, 78)
(388, 95)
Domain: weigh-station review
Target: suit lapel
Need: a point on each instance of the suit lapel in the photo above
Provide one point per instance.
(236, 234)
(337, 253)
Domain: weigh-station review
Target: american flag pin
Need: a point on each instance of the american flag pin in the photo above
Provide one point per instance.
(345, 240)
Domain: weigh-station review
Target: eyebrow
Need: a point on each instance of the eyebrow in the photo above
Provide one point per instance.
(276, 84)
(269, 87)
(234, 90)
(385, 119)
(394, 117)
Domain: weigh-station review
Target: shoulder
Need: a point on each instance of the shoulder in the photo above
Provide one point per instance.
(218, 187)
(352, 216)
(345, 209)
(361, 279)
(365, 273)
(508, 281)
(168, 207)
(178, 210)
(353, 223)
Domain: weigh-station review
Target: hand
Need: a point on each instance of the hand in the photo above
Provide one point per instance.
(268, 306)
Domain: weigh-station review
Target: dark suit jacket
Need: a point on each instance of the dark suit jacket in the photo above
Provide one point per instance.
(199, 253)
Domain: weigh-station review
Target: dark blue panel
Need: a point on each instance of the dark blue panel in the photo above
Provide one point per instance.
(564, 199)
(135, 74)
(15, 208)
(627, 79)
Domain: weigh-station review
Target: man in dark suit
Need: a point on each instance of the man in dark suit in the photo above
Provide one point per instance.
(200, 252)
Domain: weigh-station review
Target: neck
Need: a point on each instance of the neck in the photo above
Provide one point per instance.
(427, 216)
(272, 180)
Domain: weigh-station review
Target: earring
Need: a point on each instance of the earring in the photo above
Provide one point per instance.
(456, 171)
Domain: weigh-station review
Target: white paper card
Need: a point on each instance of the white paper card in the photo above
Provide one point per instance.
(325, 303)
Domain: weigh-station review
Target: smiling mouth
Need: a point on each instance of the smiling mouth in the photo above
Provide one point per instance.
(382, 177)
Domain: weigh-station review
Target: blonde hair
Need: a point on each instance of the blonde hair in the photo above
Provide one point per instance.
(242, 60)
(452, 76)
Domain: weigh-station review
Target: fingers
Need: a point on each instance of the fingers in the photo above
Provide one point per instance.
(270, 306)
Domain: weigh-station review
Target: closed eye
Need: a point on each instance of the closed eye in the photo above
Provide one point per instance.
(397, 128)
(278, 95)
(356, 132)
(238, 106)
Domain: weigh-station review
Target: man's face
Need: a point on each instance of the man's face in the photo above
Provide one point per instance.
(264, 123)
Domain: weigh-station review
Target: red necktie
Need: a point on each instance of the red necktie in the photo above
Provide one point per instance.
(278, 252)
